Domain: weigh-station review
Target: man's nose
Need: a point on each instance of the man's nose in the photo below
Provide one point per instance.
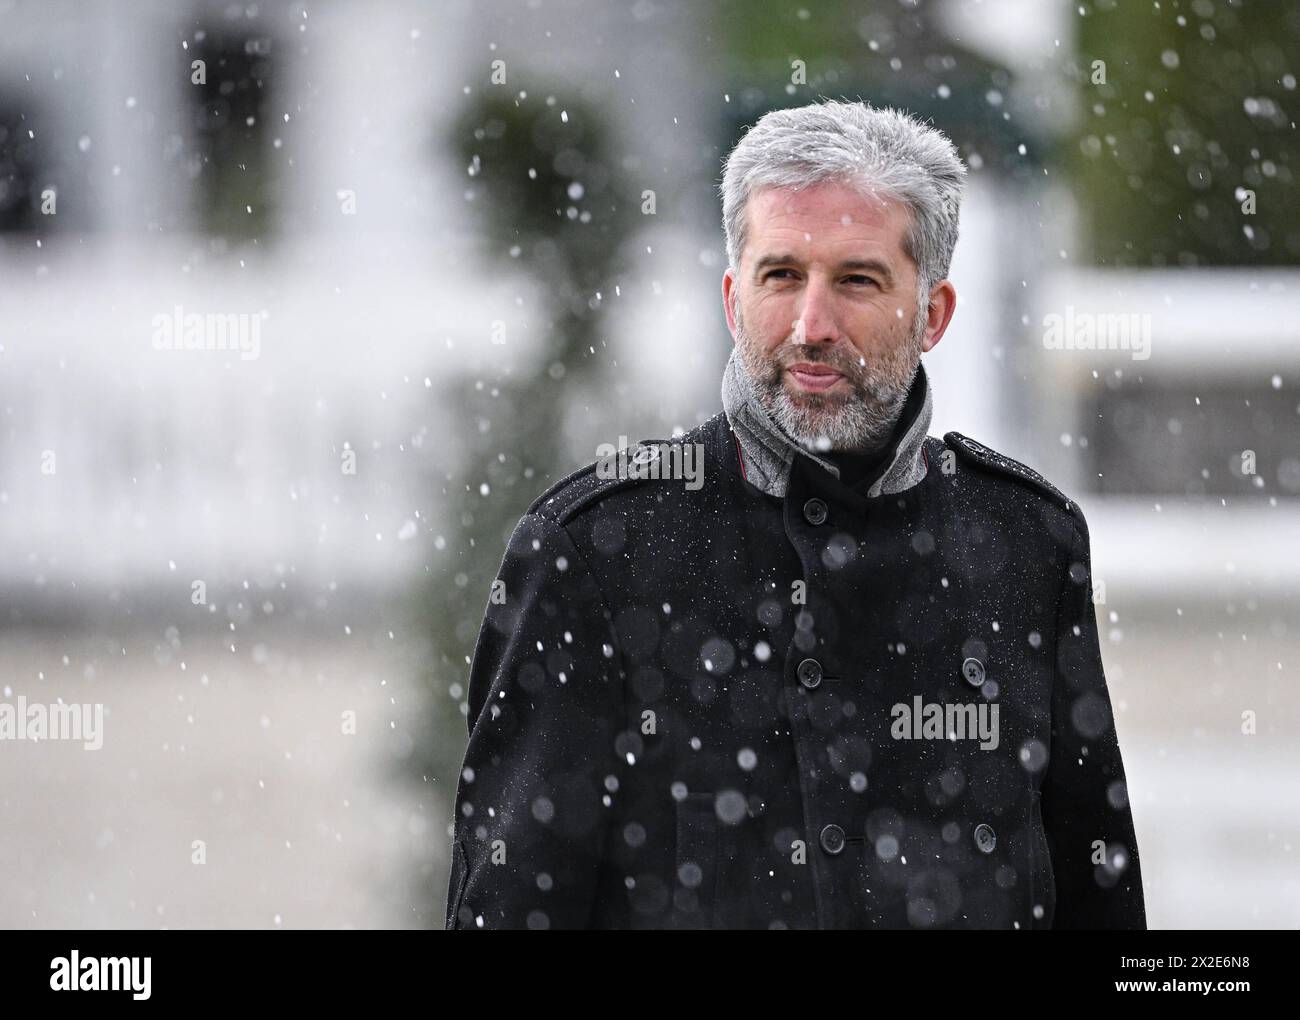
(816, 322)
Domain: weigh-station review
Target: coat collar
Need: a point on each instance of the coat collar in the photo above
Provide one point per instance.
(758, 450)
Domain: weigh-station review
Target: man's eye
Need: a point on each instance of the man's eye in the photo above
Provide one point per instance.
(773, 272)
(858, 278)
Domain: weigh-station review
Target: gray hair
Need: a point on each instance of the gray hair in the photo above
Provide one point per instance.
(870, 148)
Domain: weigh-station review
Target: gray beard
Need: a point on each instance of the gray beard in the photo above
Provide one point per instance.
(863, 422)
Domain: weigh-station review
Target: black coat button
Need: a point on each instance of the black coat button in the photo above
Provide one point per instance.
(985, 838)
(810, 673)
(973, 671)
(814, 511)
(832, 839)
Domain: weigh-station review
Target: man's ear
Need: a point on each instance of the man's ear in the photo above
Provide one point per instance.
(730, 294)
(943, 303)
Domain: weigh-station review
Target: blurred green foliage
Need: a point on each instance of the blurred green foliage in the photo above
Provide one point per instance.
(899, 55)
(1197, 107)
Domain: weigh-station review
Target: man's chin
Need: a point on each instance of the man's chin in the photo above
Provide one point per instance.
(828, 400)
(809, 422)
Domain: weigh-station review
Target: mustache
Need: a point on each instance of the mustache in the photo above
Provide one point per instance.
(841, 361)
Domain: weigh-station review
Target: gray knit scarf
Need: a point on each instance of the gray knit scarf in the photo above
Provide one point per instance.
(769, 452)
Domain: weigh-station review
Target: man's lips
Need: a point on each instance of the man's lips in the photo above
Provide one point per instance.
(814, 377)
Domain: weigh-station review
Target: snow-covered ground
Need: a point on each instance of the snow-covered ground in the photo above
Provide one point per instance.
(302, 825)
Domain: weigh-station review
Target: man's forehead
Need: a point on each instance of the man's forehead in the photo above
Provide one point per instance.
(828, 208)
(835, 199)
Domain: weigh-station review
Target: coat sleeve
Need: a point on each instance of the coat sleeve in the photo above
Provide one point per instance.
(1084, 795)
(534, 802)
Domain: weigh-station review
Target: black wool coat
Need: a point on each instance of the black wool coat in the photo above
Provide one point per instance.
(698, 706)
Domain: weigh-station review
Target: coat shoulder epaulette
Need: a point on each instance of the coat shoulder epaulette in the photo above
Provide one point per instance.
(981, 456)
(589, 485)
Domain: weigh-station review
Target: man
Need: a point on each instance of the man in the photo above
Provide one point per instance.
(849, 676)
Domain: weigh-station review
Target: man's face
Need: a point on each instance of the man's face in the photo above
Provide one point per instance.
(826, 318)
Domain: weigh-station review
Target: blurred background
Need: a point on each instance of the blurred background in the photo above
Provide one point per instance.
(301, 304)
